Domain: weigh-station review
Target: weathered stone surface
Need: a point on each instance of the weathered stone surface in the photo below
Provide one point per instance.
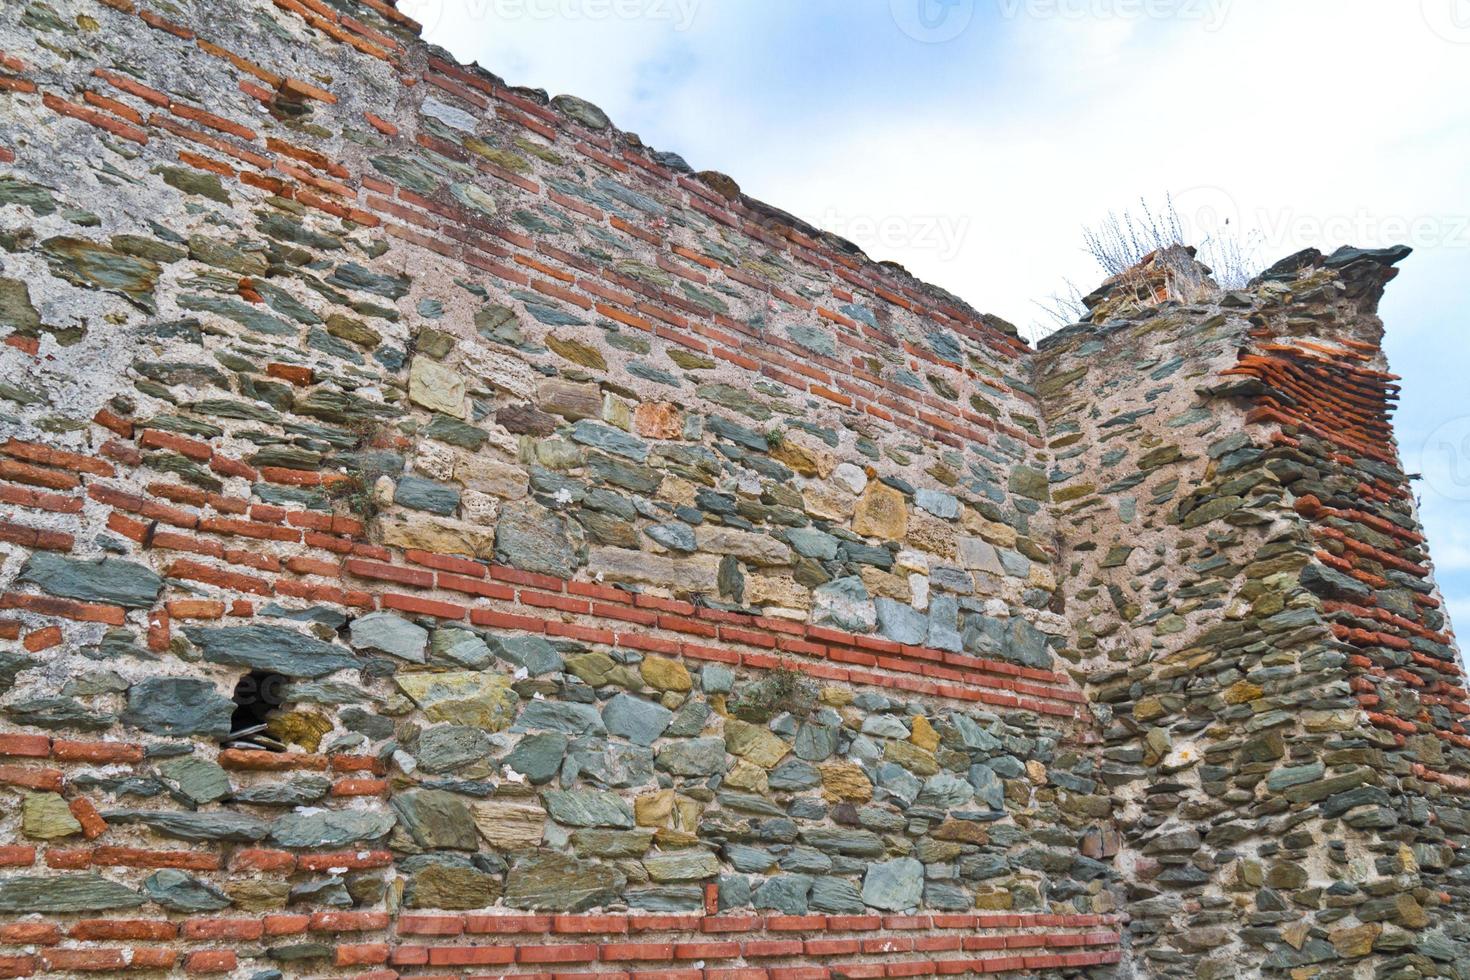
(179, 892)
(436, 820)
(390, 634)
(894, 885)
(694, 574)
(178, 706)
(65, 894)
(437, 388)
(108, 580)
(480, 699)
(331, 828)
(636, 719)
(549, 882)
(588, 808)
(511, 824)
(530, 537)
(45, 816)
(881, 512)
(275, 649)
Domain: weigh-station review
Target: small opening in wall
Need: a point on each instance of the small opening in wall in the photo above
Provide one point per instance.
(257, 694)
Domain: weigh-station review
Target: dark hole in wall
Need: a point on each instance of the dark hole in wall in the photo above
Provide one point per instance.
(256, 695)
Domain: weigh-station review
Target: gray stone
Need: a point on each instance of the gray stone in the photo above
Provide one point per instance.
(446, 748)
(615, 441)
(179, 892)
(845, 604)
(533, 653)
(437, 820)
(636, 719)
(178, 706)
(836, 896)
(988, 787)
(894, 885)
(383, 632)
(787, 894)
(460, 647)
(946, 791)
(234, 828)
(546, 881)
(108, 580)
(674, 535)
(331, 828)
(588, 808)
(538, 757)
(717, 679)
(297, 791)
(532, 538)
(901, 622)
(200, 781)
(567, 717)
(419, 494)
(65, 894)
(270, 648)
(938, 503)
(689, 720)
(695, 757)
(811, 543)
(610, 764)
(794, 776)
(681, 866)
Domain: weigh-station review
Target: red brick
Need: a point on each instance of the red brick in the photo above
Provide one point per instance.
(17, 856)
(349, 921)
(507, 924)
(471, 955)
(286, 925)
(137, 857)
(240, 930)
(430, 925)
(17, 966)
(45, 779)
(154, 930)
(85, 960)
(85, 812)
(97, 752)
(572, 953)
(620, 952)
(352, 860)
(210, 961)
(706, 951)
(390, 573)
(30, 934)
(424, 607)
(362, 954)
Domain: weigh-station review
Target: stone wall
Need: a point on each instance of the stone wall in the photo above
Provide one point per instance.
(443, 536)
(1261, 640)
